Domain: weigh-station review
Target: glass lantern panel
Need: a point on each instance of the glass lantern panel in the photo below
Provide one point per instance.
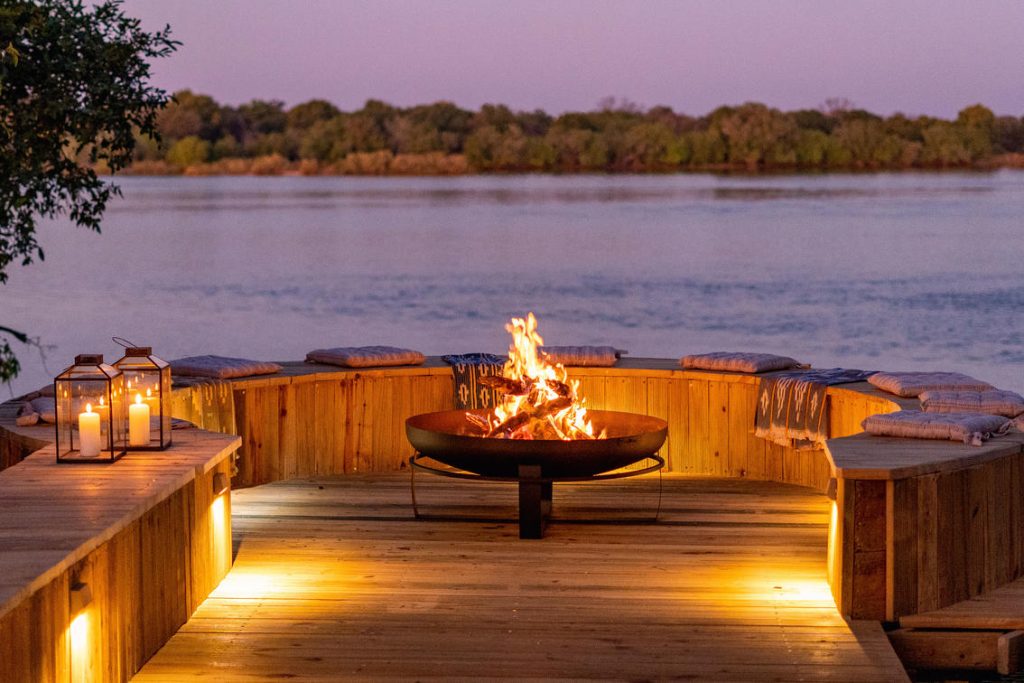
(147, 382)
(165, 393)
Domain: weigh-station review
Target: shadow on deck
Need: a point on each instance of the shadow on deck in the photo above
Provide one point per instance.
(334, 578)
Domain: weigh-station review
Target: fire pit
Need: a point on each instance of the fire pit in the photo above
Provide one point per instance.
(450, 437)
(539, 434)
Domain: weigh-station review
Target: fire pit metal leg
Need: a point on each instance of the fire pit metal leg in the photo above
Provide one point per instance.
(534, 502)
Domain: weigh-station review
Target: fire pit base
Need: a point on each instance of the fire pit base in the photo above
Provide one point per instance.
(535, 489)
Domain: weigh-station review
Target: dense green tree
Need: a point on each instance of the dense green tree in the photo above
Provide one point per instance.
(1008, 134)
(813, 119)
(496, 116)
(302, 116)
(943, 146)
(492, 148)
(263, 116)
(189, 113)
(753, 133)
(811, 148)
(617, 136)
(74, 96)
(409, 136)
(706, 147)
(225, 148)
(324, 140)
(189, 150)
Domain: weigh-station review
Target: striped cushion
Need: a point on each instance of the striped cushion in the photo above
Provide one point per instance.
(221, 367)
(582, 356)
(738, 361)
(991, 402)
(366, 356)
(911, 384)
(969, 428)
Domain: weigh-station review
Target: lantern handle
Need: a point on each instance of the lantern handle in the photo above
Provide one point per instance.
(121, 341)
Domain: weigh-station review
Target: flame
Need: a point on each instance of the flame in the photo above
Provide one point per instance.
(539, 401)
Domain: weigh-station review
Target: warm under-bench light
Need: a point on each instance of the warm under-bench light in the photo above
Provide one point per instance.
(78, 631)
(220, 483)
(81, 597)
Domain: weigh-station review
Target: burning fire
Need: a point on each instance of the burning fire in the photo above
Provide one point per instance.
(539, 401)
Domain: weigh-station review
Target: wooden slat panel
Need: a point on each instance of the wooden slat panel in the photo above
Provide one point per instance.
(308, 423)
(719, 442)
(901, 548)
(678, 424)
(697, 441)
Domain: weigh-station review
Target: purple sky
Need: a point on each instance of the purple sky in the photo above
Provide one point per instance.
(915, 56)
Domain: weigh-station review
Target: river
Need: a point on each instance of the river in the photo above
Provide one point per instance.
(904, 271)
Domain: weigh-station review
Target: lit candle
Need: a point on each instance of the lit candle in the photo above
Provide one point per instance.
(89, 433)
(138, 423)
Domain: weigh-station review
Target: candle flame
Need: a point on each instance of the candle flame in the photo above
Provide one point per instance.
(138, 399)
(149, 393)
(88, 407)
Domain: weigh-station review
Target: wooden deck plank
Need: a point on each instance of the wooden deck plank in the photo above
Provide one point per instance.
(334, 578)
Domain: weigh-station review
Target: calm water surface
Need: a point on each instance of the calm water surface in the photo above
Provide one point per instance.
(888, 271)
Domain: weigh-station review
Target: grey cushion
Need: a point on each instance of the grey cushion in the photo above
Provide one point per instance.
(582, 356)
(912, 384)
(738, 361)
(221, 367)
(969, 428)
(990, 402)
(366, 356)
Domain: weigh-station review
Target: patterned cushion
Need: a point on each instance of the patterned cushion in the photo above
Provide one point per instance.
(593, 356)
(738, 361)
(970, 428)
(992, 402)
(366, 356)
(911, 384)
(467, 369)
(221, 367)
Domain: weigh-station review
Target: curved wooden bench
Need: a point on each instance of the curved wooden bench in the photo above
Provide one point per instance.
(312, 420)
(900, 504)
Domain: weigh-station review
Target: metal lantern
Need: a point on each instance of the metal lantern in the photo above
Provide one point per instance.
(91, 413)
(147, 381)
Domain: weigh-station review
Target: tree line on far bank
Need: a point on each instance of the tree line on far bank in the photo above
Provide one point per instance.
(201, 136)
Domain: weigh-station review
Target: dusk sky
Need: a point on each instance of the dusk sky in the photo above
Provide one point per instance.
(931, 57)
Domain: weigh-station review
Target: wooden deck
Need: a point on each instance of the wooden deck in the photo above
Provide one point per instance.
(334, 579)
